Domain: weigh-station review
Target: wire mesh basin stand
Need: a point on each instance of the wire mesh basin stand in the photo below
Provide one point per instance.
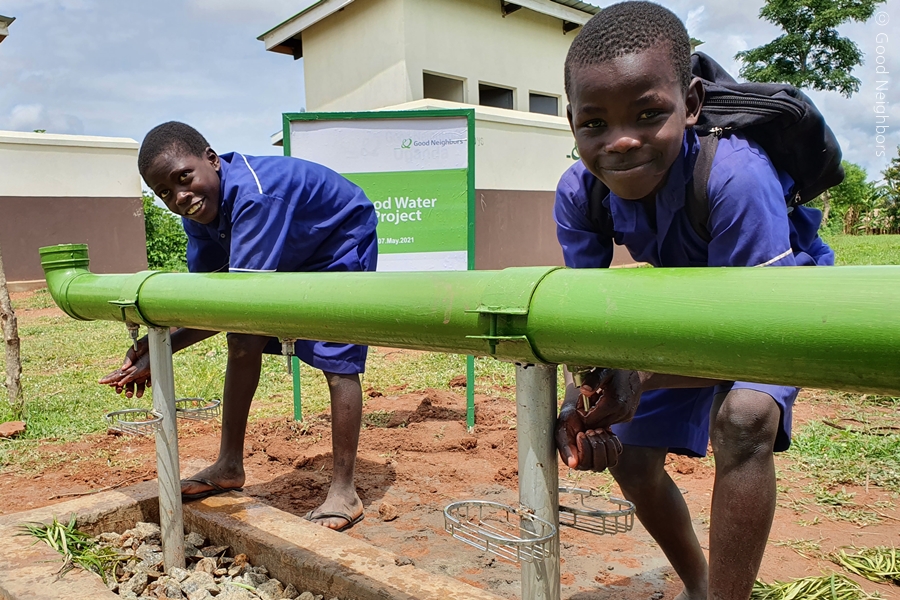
(527, 535)
(513, 534)
(583, 512)
(198, 409)
(133, 421)
(171, 519)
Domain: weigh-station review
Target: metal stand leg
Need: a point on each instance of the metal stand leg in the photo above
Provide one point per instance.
(538, 470)
(171, 519)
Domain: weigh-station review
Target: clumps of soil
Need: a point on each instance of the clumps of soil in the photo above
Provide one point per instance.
(210, 572)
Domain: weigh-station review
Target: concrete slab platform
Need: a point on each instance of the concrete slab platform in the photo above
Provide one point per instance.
(29, 569)
(316, 558)
(292, 549)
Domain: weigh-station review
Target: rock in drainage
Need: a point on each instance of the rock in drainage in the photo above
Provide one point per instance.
(210, 573)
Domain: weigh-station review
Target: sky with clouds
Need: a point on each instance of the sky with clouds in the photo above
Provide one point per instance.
(117, 68)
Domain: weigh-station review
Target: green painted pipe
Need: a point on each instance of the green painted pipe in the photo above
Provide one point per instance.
(835, 328)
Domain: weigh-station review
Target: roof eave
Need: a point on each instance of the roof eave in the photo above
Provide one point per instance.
(285, 37)
(552, 8)
(5, 22)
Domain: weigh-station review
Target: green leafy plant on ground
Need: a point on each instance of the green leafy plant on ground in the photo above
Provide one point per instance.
(879, 564)
(78, 549)
(826, 587)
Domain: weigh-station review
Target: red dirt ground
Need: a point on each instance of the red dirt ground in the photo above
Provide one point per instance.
(421, 460)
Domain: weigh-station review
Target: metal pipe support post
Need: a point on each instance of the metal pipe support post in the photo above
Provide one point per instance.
(538, 471)
(171, 519)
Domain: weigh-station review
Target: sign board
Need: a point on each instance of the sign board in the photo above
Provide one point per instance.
(417, 168)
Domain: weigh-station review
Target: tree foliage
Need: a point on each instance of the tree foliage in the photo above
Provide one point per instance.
(891, 177)
(851, 197)
(811, 54)
(166, 240)
(859, 206)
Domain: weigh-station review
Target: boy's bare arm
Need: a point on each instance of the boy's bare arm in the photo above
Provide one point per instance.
(134, 374)
(658, 381)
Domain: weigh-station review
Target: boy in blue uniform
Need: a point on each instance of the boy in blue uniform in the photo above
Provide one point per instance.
(633, 104)
(256, 215)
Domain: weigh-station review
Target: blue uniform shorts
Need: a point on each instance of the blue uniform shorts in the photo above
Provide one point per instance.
(343, 359)
(678, 419)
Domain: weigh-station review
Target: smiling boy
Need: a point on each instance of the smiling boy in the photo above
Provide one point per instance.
(257, 215)
(633, 103)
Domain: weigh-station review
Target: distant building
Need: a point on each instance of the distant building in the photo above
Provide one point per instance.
(5, 22)
(69, 189)
(367, 54)
(504, 58)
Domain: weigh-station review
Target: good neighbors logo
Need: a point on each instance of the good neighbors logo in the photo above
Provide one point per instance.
(409, 143)
(882, 82)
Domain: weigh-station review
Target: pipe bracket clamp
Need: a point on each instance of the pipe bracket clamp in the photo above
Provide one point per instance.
(128, 298)
(498, 301)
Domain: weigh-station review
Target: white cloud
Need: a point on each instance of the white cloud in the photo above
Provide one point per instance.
(694, 19)
(29, 117)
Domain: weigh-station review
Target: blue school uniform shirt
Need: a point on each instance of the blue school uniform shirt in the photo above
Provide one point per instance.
(278, 213)
(749, 225)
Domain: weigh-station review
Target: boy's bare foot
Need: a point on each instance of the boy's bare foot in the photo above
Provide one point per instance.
(226, 477)
(339, 511)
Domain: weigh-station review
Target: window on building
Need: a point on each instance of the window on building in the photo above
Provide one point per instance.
(544, 104)
(442, 88)
(498, 97)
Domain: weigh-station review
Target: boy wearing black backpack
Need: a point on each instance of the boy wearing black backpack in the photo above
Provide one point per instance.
(633, 110)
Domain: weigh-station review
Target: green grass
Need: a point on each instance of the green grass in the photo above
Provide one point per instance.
(839, 457)
(864, 249)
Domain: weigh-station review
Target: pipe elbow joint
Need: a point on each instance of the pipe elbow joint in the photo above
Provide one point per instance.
(62, 264)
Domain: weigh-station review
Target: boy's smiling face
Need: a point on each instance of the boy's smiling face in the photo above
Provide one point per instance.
(188, 185)
(628, 115)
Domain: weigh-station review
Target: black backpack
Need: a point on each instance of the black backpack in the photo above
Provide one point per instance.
(778, 117)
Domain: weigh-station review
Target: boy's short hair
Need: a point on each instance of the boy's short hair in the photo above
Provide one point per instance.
(163, 137)
(628, 28)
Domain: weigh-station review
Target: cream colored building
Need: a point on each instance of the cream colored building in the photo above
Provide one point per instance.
(367, 54)
(505, 59)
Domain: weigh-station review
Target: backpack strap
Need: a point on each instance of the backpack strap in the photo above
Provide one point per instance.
(696, 197)
(600, 216)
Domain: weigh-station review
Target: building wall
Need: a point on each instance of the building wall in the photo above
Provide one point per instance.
(373, 53)
(470, 39)
(59, 189)
(356, 58)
